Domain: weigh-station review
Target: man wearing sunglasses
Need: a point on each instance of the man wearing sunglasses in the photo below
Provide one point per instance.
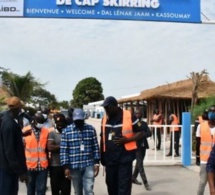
(119, 133)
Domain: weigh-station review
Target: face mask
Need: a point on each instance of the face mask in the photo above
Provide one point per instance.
(79, 123)
(211, 116)
(60, 127)
(39, 125)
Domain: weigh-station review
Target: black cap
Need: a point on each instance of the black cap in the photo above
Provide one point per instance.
(110, 101)
(59, 117)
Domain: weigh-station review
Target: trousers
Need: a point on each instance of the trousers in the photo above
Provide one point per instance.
(119, 179)
(157, 137)
(139, 168)
(203, 179)
(59, 184)
(175, 141)
(8, 183)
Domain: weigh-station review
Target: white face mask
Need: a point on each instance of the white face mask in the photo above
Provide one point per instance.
(39, 125)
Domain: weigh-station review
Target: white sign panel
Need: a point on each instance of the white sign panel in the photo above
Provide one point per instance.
(11, 8)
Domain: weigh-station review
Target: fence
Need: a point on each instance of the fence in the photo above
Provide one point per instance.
(154, 156)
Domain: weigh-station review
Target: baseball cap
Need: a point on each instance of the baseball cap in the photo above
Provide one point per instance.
(14, 102)
(78, 114)
(110, 101)
(59, 118)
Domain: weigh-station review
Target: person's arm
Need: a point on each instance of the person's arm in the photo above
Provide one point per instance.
(137, 130)
(96, 153)
(51, 145)
(198, 142)
(101, 144)
(147, 131)
(26, 131)
(170, 119)
(64, 150)
(64, 155)
(12, 137)
(159, 117)
(210, 168)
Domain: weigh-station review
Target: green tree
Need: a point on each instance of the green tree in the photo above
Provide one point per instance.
(202, 106)
(43, 97)
(64, 104)
(2, 103)
(20, 86)
(87, 90)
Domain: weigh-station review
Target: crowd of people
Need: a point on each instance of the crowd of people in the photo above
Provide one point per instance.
(66, 149)
(31, 148)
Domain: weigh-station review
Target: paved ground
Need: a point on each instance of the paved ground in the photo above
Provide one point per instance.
(168, 179)
(165, 180)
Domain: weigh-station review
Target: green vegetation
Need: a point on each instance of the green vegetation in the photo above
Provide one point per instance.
(30, 90)
(202, 106)
(87, 90)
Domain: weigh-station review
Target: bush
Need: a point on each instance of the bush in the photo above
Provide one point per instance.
(202, 106)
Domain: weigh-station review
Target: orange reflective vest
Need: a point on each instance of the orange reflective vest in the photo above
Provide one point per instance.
(35, 151)
(174, 122)
(207, 141)
(155, 117)
(126, 130)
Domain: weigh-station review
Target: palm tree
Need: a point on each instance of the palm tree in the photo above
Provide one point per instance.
(20, 86)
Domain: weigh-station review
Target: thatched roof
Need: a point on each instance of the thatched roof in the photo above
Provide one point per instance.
(180, 90)
(130, 99)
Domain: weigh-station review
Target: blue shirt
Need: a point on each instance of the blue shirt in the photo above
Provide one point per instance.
(211, 161)
(79, 149)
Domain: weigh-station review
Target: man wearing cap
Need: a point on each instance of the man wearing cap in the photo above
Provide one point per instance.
(119, 133)
(12, 156)
(79, 154)
(36, 155)
(59, 183)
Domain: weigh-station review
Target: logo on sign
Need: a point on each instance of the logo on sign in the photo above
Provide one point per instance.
(8, 9)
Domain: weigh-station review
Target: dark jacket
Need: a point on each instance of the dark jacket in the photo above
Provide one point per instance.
(12, 156)
(143, 142)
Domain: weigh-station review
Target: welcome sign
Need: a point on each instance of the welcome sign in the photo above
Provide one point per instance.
(148, 10)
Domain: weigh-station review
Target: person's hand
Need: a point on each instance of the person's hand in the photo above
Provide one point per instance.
(120, 140)
(23, 178)
(27, 132)
(67, 174)
(96, 170)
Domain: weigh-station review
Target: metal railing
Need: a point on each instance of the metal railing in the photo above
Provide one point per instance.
(159, 156)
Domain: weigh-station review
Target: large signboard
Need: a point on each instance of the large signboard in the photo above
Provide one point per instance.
(149, 10)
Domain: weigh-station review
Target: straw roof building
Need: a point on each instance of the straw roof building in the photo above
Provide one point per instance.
(175, 97)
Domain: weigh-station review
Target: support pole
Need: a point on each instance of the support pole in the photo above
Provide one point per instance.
(186, 139)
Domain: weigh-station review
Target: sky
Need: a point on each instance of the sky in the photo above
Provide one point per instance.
(125, 56)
